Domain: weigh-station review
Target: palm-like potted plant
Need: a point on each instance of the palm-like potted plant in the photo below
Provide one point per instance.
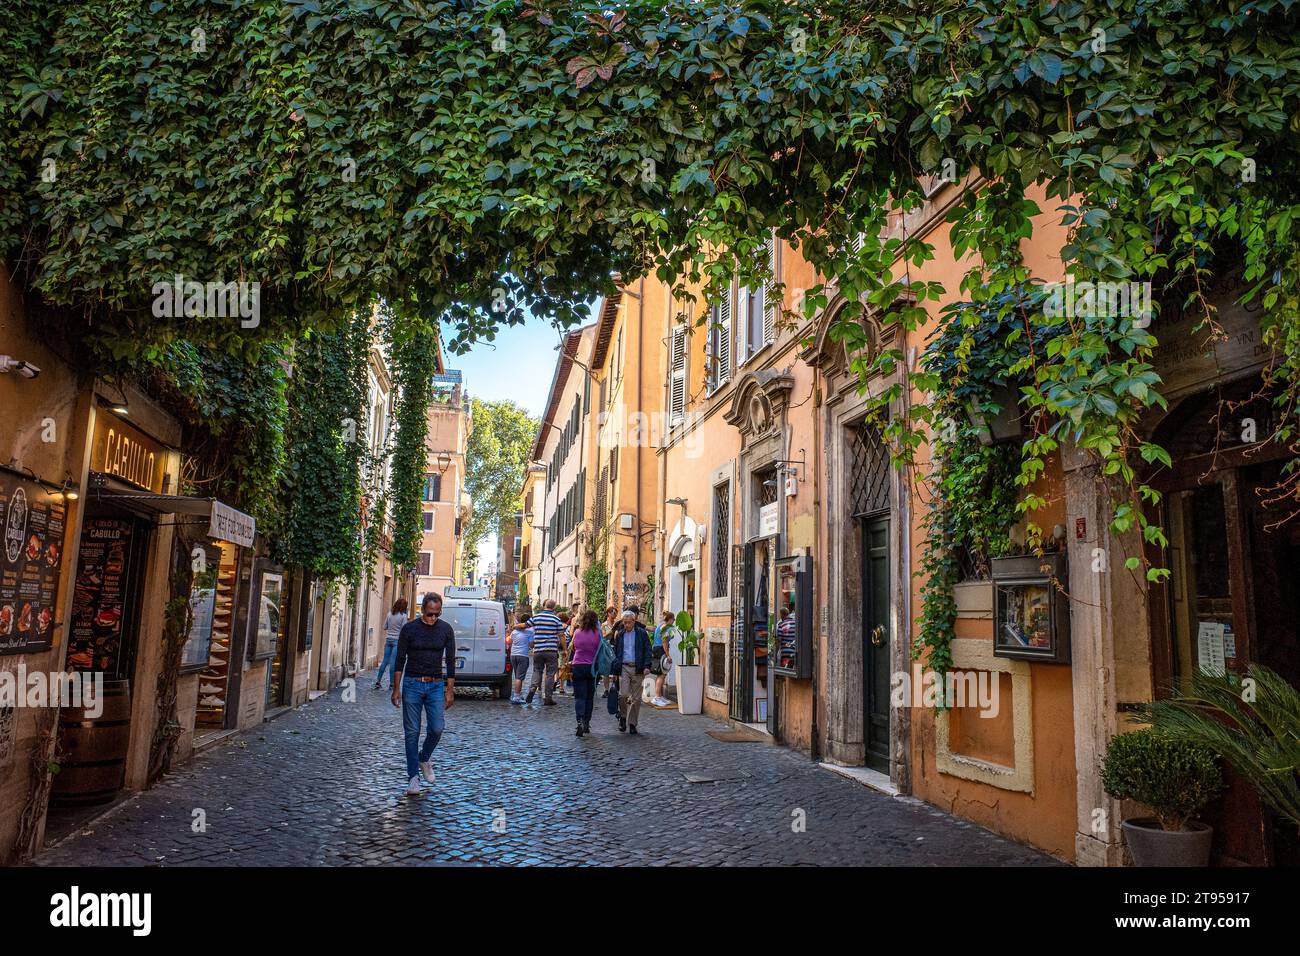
(1175, 778)
(1253, 722)
(690, 675)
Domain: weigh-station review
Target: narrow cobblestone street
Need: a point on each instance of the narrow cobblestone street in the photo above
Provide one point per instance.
(323, 785)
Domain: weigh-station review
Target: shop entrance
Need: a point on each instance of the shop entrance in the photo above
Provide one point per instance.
(214, 711)
(1233, 597)
(875, 641)
(753, 700)
(103, 639)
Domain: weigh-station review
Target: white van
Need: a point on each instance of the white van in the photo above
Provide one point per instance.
(481, 658)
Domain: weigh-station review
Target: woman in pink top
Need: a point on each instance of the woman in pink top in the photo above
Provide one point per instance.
(582, 649)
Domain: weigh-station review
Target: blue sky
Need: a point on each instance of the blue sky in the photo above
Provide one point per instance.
(517, 365)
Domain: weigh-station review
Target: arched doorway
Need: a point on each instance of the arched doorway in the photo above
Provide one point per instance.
(1233, 596)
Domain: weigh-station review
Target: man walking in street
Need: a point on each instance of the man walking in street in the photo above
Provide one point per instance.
(547, 628)
(424, 679)
(632, 650)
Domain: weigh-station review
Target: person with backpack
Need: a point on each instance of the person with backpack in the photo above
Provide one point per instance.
(660, 648)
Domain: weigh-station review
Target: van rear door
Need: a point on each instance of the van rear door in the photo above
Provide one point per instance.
(461, 616)
(489, 640)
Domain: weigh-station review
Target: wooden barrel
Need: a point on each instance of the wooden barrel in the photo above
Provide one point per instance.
(92, 750)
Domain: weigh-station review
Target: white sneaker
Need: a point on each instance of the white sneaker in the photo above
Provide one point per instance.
(413, 788)
(661, 702)
(426, 771)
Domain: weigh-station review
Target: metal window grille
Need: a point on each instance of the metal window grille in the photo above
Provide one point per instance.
(721, 536)
(868, 461)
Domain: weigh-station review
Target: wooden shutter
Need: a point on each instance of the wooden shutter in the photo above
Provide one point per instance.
(602, 495)
(437, 488)
(770, 303)
(722, 336)
(677, 375)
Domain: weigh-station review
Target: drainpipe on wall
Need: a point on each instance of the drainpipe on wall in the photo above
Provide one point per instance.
(640, 365)
(815, 748)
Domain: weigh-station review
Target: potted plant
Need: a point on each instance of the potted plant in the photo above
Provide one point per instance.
(1175, 778)
(1252, 722)
(690, 675)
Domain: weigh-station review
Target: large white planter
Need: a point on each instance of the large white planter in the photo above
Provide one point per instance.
(690, 688)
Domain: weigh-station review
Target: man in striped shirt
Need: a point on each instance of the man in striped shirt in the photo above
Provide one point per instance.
(547, 636)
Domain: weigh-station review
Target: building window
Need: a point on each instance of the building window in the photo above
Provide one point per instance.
(428, 521)
(517, 552)
(720, 536)
(426, 564)
(720, 342)
(677, 376)
(433, 487)
(602, 496)
(717, 664)
(758, 307)
(868, 469)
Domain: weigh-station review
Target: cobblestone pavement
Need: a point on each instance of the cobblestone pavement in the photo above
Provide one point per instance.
(323, 786)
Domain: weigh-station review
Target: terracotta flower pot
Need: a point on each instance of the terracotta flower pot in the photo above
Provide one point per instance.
(1152, 846)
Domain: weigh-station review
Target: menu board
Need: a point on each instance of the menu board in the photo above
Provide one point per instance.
(31, 561)
(99, 598)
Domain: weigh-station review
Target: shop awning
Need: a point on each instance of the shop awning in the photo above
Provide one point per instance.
(225, 523)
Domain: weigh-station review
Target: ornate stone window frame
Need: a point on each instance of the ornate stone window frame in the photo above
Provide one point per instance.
(977, 654)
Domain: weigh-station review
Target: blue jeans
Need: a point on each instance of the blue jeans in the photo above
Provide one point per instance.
(390, 652)
(428, 697)
(584, 692)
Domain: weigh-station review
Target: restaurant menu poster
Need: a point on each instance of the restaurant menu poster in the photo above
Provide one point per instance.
(31, 559)
(1209, 647)
(99, 597)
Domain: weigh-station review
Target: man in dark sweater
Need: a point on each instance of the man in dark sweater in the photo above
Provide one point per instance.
(424, 679)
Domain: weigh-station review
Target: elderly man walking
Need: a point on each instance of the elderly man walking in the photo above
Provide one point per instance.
(632, 651)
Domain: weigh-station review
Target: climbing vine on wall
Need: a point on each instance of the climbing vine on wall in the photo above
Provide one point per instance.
(413, 349)
(492, 180)
(236, 410)
(595, 583)
(327, 441)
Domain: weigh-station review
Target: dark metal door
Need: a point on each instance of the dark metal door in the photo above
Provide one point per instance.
(875, 641)
(742, 650)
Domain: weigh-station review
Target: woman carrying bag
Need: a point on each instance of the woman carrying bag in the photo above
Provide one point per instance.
(605, 667)
(584, 647)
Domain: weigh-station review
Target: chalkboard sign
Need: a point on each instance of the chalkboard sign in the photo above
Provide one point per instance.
(31, 562)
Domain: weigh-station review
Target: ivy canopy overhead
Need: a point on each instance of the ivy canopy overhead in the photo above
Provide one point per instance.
(475, 160)
(333, 150)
